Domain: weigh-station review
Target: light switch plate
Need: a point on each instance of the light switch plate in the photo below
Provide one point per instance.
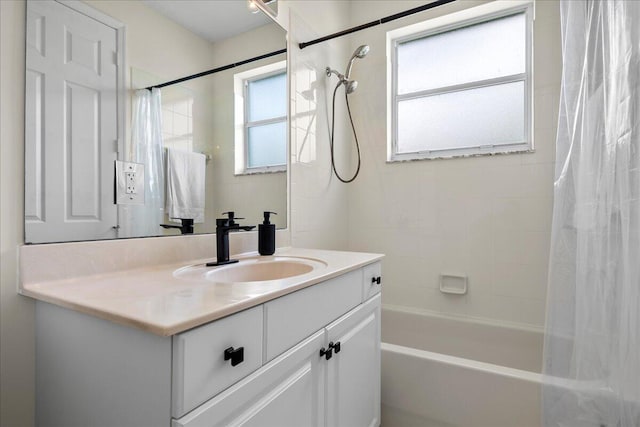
(129, 183)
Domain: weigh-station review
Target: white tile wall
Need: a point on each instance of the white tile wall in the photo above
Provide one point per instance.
(177, 119)
(486, 217)
(319, 203)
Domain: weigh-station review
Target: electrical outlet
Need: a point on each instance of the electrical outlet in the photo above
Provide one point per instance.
(129, 183)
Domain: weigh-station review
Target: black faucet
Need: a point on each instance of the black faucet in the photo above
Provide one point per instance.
(223, 227)
(185, 228)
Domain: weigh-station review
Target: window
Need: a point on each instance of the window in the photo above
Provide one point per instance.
(261, 119)
(461, 84)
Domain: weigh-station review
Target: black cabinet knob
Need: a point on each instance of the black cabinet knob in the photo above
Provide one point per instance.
(327, 352)
(236, 355)
(331, 348)
(376, 280)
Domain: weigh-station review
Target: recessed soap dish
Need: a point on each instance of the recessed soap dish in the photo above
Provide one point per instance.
(453, 284)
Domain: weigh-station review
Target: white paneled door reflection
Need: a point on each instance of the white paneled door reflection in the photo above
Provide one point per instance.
(71, 125)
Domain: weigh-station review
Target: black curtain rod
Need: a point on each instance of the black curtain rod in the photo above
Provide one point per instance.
(216, 70)
(376, 22)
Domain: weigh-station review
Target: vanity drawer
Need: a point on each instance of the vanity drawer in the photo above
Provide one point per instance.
(200, 370)
(286, 392)
(372, 283)
(292, 318)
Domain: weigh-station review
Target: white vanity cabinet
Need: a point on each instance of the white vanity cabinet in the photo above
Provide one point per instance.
(308, 358)
(302, 388)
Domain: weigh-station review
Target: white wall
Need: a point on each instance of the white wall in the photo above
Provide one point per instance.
(319, 202)
(185, 52)
(486, 217)
(17, 334)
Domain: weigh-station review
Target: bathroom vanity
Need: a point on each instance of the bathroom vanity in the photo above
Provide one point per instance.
(193, 346)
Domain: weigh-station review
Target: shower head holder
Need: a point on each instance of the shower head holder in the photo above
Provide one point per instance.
(350, 85)
(330, 71)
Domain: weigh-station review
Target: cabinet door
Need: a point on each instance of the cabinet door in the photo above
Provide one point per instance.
(353, 386)
(288, 392)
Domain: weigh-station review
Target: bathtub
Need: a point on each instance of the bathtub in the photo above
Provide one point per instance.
(440, 371)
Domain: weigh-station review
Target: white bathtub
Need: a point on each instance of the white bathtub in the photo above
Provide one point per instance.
(441, 371)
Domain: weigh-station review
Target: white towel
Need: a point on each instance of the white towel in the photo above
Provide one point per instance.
(185, 185)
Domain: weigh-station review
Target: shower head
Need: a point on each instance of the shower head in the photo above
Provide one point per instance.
(359, 53)
(349, 85)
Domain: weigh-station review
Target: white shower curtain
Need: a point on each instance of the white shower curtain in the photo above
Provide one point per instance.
(146, 148)
(592, 342)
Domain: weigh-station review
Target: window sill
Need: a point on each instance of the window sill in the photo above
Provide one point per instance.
(452, 154)
(281, 169)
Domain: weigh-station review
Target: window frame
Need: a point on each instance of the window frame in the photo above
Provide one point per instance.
(466, 18)
(241, 83)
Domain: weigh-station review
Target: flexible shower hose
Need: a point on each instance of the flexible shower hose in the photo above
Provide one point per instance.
(333, 122)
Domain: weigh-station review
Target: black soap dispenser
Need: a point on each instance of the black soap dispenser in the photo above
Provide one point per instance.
(267, 235)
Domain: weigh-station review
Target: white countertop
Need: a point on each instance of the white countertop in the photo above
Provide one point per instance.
(155, 300)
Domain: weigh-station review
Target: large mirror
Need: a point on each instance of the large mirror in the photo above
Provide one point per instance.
(113, 151)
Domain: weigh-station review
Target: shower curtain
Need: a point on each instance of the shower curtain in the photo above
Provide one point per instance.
(146, 148)
(592, 341)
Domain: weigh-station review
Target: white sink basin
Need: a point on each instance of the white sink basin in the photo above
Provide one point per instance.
(255, 269)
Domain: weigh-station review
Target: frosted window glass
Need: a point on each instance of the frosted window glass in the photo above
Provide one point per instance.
(268, 97)
(482, 51)
(490, 115)
(267, 145)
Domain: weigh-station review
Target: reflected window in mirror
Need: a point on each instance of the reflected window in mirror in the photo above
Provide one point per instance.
(261, 119)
